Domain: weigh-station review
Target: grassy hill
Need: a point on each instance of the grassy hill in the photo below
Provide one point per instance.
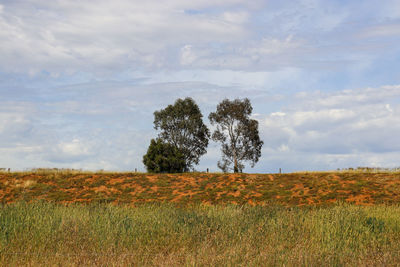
(293, 189)
(182, 231)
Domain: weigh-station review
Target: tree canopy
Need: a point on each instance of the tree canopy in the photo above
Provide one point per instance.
(237, 133)
(182, 126)
(163, 157)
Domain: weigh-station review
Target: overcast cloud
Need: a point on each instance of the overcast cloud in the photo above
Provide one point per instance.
(79, 81)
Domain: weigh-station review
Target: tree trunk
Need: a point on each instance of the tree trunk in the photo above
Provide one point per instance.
(235, 168)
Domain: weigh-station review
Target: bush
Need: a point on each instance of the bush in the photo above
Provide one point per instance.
(163, 158)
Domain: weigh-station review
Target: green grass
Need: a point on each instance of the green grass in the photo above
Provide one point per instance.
(48, 234)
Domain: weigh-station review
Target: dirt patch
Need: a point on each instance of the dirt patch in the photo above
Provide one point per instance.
(115, 181)
(310, 201)
(181, 195)
(335, 177)
(154, 188)
(152, 178)
(251, 202)
(100, 189)
(256, 194)
(22, 183)
(234, 194)
(299, 190)
(89, 180)
(391, 183)
(138, 190)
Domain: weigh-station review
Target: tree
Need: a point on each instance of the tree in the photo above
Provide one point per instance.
(237, 133)
(163, 157)
(182, 126)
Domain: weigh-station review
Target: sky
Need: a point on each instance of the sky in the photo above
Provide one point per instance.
(80, 79)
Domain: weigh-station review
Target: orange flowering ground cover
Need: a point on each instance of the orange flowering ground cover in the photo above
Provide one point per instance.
(293, 189)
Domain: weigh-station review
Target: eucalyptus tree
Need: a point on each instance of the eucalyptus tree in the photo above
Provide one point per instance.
(182, 126)
(237, 133)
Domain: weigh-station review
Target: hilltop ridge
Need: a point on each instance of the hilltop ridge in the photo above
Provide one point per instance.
(293, 189)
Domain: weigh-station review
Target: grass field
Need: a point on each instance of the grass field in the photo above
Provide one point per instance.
(72, 218)
(50, 234)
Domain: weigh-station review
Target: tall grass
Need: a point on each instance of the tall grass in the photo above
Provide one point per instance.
(48, 234)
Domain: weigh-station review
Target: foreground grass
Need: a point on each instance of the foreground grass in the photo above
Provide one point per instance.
(48, 234)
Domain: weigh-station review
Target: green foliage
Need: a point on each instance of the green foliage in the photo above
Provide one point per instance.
(237, 133)
(182, 125)
(163, 157)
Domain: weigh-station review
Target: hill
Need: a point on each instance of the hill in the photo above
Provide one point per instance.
(293, 189)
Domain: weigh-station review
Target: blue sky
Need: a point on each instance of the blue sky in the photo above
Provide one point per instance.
(79, 81)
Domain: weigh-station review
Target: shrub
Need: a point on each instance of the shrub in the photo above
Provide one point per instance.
(163, 158)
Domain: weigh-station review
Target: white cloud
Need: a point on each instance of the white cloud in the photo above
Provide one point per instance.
(245, 54)
(73, 148)
(187, 56)
(71, 35)
(362, 124)
(80, 80)
(350, 97)
(235, 17)
(16, 122)
(79, 36)
(381, 31)
(272, 46)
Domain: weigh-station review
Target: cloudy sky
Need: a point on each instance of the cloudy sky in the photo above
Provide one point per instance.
(80, 79)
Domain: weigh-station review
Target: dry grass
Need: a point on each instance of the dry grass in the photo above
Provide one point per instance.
(48, 234)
